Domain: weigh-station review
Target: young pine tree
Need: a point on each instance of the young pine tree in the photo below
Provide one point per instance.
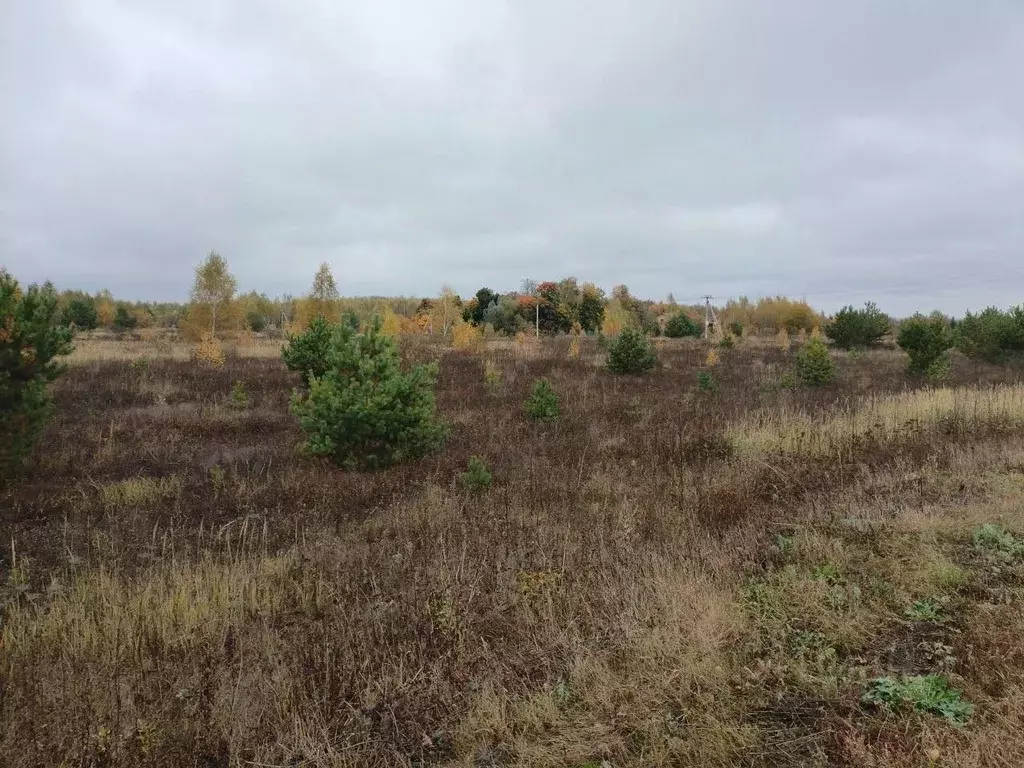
(813, 364)
(542, 404)
(631, 353)
(926, 340)
(308, 352)
(363, 411)
(680, 325)
(31, 336)
(853, 328)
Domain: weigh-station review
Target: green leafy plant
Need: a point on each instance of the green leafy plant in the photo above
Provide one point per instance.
(706, 382)
(926, 341)
(364, 411)
(814, 366)
(542, 404)
(140, 364)
(31, 338)
(728, 341)
(924, 693)
(238, 398)
(996, 541)
(736, 328)
(631, 353)
(308, 352)
(680, 326)
(924, 610)
(852, 328)
(476, 477)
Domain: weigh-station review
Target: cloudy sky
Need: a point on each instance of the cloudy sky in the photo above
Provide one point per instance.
(868, 149)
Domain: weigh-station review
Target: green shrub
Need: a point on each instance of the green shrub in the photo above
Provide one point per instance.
(543, 402)
(239, 398)
(631, 352)
(925, 693)
(680, 326)
(991, 335)
(256, 321)
(728, 341)
(926, 340)
(814, 366)
(351, 319)
(938, 370)
(31, 336)
(852, 328)
(124, 320)
(476, 477)
(736, 328)
(364, 412)
(308, 352)
(140, 365)
(492, 377)
(80, 313)
(706, 382)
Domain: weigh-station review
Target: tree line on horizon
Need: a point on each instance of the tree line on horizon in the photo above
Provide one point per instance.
(548, 308)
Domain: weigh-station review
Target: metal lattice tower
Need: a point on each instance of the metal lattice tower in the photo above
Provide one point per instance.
(710, 319)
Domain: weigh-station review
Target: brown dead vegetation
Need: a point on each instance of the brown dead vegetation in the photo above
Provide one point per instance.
(663, 577)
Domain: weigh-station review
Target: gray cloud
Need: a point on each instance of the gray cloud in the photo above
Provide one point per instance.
(838, 151)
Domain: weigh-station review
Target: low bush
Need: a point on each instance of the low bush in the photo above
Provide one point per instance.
(706, 382)
(925, 693)
(476, 477)
(239, 398)
(492, 377)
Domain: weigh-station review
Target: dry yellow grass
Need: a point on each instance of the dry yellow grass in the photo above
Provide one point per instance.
(881, 418)
(92, 350)
(140, 490)
(105, 616)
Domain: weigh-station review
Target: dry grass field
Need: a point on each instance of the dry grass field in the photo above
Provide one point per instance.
(663, 577)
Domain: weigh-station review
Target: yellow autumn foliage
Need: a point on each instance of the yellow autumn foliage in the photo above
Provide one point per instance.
(782, 340)
(465, 336)
(208, 351)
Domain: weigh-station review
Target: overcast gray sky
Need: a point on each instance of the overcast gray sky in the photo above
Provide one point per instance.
(838, 150)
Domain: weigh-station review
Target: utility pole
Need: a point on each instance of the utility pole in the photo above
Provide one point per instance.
(710, 320)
